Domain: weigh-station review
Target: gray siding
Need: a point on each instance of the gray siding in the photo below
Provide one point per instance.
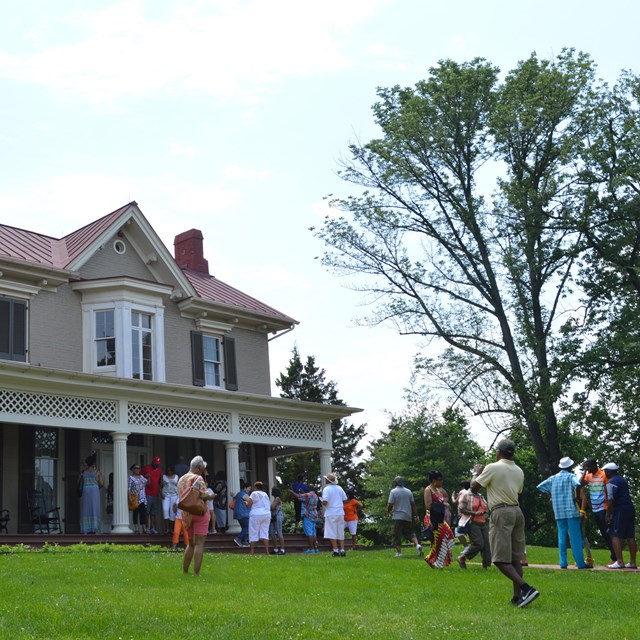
(106, 263)
(55, 330)
(177, 346)
(252, 356)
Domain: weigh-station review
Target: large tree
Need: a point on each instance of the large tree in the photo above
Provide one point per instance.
(308, 382)
(461, 227)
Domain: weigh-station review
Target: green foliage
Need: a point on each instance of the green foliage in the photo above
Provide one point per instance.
(308, 382)
(494, 274)
(92, 595)
(414, 445)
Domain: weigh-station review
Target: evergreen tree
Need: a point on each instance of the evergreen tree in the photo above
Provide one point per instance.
(308, 382)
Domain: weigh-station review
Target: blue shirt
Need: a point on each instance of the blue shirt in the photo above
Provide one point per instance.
(562, 488)
(240, 510)
(309, 505)
(618, 493)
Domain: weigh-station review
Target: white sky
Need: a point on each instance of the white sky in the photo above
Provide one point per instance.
(231, 117)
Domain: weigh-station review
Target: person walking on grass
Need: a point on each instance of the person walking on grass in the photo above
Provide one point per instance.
(564, 490)
(333, 499)
(504, 481)
(621, 517)
(472, 506)
(401, 506)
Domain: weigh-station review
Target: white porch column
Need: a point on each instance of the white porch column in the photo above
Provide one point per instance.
(325, 465)
(271, 474)
(120, 479)
(233, 481)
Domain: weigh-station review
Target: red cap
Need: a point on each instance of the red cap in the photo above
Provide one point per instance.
(156, 459)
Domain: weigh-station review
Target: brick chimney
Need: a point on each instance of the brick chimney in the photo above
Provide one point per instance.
(187, 250)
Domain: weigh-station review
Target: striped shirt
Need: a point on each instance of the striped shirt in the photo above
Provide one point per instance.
(562, 488)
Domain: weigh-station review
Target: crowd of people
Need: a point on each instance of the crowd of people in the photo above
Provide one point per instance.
(491, 528)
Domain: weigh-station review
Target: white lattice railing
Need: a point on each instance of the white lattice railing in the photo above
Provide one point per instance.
(281, 428)
(159, 417)
(52, 406)
(152, 416)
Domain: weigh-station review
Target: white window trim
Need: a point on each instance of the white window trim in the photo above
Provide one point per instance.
(123, 295)
(220, 364)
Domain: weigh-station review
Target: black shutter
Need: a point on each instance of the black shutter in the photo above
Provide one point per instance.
(197, 359)
(19, 346)
(5, 329)
(13, 329)
(230, 370)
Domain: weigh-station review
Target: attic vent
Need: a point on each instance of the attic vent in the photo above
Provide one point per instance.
(119, 247)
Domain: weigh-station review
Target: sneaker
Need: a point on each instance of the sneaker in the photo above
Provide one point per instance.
(237, 542)
(336, 553)
(153, 532)
(343, 553)
(589, 561)
(630, 566)
(615, 565)
(462, 562)
(309, 551)
(246, 546)
(419, 550)
(316, 551)
(529, 594)
(398, 554)
(282, 552)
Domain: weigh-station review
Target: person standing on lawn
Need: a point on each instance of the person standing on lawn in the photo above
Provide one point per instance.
(309, 512)
(298, 488)
(504, 481)
(563, 488)
(352, 510)
(621, 517)
(401, 506)
(333, 499)
(594, 480)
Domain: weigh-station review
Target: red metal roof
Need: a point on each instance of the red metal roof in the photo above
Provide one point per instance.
(40, 249)
(210, 288)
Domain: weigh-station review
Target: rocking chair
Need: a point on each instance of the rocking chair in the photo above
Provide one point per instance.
(43, 519)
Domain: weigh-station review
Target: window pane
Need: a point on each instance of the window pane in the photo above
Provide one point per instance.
(211, 348)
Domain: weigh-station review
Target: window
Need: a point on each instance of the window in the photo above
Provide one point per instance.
(13, 329)
(212, 362)
(141, 343)
(46, 465)
(105, 339)
(211, 357)
(123, 327)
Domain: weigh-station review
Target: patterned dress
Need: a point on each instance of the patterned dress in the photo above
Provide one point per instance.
(90, 503)
(441, 547)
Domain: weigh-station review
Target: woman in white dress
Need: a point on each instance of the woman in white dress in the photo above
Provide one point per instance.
(259, 517)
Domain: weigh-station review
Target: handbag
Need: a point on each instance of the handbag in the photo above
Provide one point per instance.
(133, 500)
(232, 504)
(191, 502)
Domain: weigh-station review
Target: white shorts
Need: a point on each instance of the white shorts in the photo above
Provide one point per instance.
(352, 525)
(259, 527)
(334, 527)
(167, 507)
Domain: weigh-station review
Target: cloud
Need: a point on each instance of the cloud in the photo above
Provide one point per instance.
(231, 50)
(178, 149)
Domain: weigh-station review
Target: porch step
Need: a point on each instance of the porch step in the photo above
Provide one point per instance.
(215, 543)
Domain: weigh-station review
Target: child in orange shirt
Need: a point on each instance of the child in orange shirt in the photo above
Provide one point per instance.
(352, 509)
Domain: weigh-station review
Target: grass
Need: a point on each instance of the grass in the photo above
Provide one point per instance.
(127, 594)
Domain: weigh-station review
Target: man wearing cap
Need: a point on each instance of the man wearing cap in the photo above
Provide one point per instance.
(153, 474)
(621, 517)
(504, 481)
(333, 499)
(594, 480)
(401, 506)
(563, 489)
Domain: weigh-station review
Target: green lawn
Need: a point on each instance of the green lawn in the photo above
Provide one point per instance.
(369, 595)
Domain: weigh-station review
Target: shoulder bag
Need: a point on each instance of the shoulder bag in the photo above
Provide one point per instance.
(191, 502)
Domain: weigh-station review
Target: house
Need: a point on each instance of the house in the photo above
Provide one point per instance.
(110, 343)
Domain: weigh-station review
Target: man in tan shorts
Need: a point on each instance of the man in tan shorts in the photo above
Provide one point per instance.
(504, 480)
